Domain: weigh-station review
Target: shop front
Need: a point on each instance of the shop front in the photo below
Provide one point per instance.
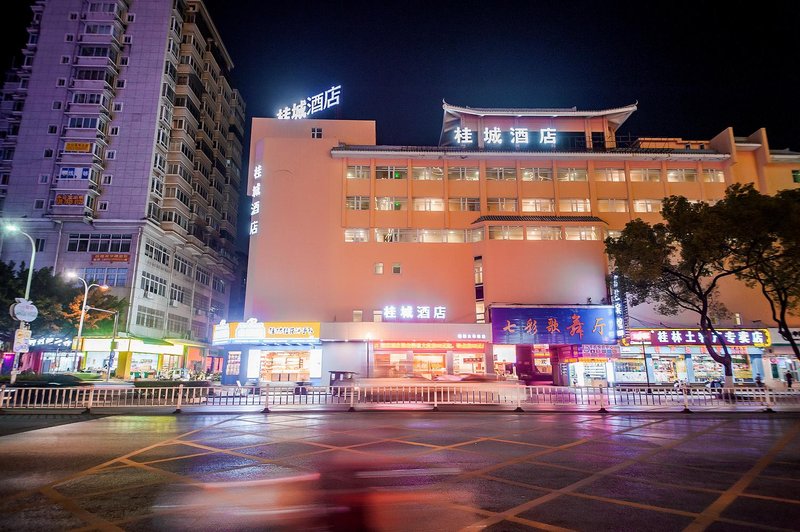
(781, 359)
(664, 356)
(428, 359)
(566, 345)
(132, 358)
(257, 352)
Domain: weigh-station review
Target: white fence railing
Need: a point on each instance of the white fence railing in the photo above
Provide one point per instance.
(434, 394)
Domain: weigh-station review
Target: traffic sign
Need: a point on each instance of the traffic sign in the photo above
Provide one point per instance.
(23, 310)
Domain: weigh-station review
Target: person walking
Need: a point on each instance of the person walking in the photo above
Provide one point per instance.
(789, 379)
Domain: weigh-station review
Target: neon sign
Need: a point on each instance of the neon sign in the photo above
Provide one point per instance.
(411, 312)
(312, 104)
(493, 136)
(255, 207)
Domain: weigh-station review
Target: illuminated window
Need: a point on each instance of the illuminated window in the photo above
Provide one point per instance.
(581, 233)
(378, 268)
(501, 204)
(358, 172)
(713, 176)
(358, 315)
(391, 172)
(501, 174)
(477, 265)
(611, 233)
(610, 174)
(796, 176)
(543, 233)
(391, 203)
(464, 204)
(612, 205)
(356, 235)
(572, 174)
(682, 175)
(574, 205)
(461, 173)
(505, 232)
(646, 205)
(537, 174)
(429, 204)
(645, 174)
(538, 205)
(432, 173)
(357, 203)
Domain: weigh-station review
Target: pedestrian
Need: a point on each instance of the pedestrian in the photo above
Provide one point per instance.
(759, 382)
(789, 379)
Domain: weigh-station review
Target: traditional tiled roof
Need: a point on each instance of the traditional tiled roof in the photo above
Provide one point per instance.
(537, 218)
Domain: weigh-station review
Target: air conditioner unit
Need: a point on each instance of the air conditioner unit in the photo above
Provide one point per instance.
(148, 295)
(173, 303)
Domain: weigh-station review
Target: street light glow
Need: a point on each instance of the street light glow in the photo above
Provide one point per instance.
(11, 228)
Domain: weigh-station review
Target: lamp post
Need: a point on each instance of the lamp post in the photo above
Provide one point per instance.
(86, 288)
(11, 228)
(113, 345)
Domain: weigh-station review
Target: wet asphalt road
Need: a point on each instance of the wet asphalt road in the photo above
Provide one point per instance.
(400, 471)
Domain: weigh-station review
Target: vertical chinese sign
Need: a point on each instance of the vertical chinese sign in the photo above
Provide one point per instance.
(255, 206)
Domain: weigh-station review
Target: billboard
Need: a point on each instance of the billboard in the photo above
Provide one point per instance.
(576, 325)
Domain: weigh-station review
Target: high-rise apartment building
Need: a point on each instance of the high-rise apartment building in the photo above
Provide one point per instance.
(120, 154)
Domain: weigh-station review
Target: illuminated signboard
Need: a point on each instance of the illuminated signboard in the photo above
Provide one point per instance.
(554, 325)
(620, 304)
(111, 257)
(469, 346)
(71, 200)
(731, 337)
(312, 104)
(253, 331)
(73, 173)
(493, 136)
(79, 147)
(255, 207)
(413, 313)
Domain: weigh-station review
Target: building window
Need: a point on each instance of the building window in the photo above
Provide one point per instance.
(117, 107)
(462, 173)
(391, 172)
(111, 155)
(610, 174)
(56, 106)
(131, 17)
(537, 174)
(120, 83)
(581, 233)
(543, 233)
(378, 268)
(316, 132)
(44, 178)
(124, 61)
(107, 178)
(682, 175)
(429, 204)
(114, 131)
(391, 203)
(358, 315)
(61, 82)
(100, 242)
(645, 174)
(646, 205)
(356, 235)
(713, 176)
(397, 269)
(358, 172)
(425, 173)
(501, 204)
(127, 39)
(102, 206)
(477, 267)
(177, 293)
(157, 252)
(52, 129)
(73, 15)
(574, 205)
(218, 285)
(377, 316)
(177, 325)
(38, 204)
(357, 203)
(505, 232)
(68, 37)
(202, 276)
(572, 174)
(182, 265)
(464, 204)
(64, 59)
(612, 205)
(40, 244)
(501, 174)
(796, 176)
(538, 205)
(149, 317)
(153, 284)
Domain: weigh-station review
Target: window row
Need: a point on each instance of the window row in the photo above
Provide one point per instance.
(472, 173)
(494, 232)
(106, 276)
(100, 242)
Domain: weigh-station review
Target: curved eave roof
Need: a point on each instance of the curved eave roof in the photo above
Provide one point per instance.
(424, 152)
(617, 115)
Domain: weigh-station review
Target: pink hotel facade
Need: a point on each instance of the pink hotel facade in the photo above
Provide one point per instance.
(483, 252)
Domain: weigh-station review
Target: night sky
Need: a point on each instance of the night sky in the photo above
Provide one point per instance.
(694, 67)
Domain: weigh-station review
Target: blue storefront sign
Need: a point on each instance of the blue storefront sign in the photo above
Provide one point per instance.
(554, 325)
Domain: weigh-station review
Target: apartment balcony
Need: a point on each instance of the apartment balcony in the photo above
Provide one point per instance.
(97, 62)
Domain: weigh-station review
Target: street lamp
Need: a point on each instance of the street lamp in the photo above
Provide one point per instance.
(11, 228)
(86, 288)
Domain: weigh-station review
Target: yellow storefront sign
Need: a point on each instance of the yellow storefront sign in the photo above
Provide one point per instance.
(80, 147)
(265, 332)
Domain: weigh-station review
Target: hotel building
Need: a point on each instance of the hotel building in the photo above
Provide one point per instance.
(120, 154)
(483, 254)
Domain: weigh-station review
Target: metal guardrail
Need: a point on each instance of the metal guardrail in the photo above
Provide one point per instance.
(434, 394)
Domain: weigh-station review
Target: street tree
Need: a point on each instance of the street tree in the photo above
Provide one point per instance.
(677, 266)
(96, 323)
(766, 230)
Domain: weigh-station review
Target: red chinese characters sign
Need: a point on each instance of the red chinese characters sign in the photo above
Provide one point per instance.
(110, 257)
(70, 199)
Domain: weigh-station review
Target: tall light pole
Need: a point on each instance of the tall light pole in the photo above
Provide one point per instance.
(11, 228)
(86, 288)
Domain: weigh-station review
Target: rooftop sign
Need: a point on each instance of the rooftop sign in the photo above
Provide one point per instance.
(312, 104)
